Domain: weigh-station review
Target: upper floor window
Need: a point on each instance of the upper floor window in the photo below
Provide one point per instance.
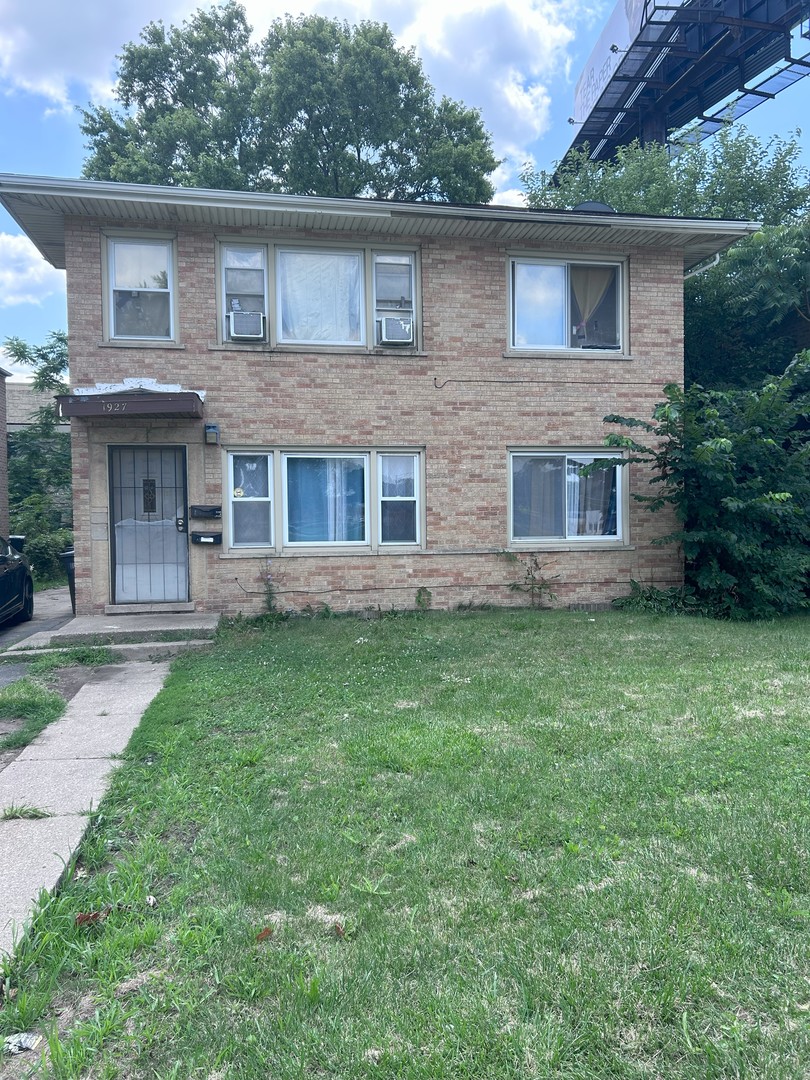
(320, 297)
(244, 287)
(553, 498)
(565, 305)
(393, 298)
(141, 277)
(336, 296)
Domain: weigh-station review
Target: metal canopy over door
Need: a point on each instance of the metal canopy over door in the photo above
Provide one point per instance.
(149, 529)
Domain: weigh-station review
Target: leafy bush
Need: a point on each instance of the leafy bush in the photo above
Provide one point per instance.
(672, 601)
(43, 550)
(735, 466)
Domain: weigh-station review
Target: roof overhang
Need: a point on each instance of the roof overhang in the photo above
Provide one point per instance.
(40, 206)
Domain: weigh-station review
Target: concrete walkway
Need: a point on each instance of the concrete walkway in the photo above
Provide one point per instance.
(65, 771)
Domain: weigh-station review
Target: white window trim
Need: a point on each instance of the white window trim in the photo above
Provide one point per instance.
(111, 238)
(222, 318)
(348, 455)
(572, 542)
(373, 544)
(529, 257)
(359, 253)
(272, 338)
(232, 501)
(416, 498)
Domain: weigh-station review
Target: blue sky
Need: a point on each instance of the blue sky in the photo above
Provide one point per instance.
(516, 60)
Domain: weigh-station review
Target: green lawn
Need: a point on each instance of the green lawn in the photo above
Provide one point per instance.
(492, 845)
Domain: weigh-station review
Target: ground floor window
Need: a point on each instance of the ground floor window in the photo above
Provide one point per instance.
(369, 498)
(555, 496)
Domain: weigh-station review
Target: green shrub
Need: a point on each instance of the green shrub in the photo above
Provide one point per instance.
(735, 466)
(43, 552)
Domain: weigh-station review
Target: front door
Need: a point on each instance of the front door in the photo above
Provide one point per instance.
(149, 540)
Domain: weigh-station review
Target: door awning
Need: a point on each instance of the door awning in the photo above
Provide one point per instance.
(133, 399)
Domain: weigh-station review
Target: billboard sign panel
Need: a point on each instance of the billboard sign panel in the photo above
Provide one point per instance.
(621, 30)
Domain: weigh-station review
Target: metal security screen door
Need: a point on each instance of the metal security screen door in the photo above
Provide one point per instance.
(149, 539)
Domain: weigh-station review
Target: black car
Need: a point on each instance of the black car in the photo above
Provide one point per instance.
(16, 585)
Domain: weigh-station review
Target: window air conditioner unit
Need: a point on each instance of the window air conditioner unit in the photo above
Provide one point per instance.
(396, 331)
(246, 325)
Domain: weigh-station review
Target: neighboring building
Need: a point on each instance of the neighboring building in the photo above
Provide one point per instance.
(4, 526)
(368, 398)
(23, 403)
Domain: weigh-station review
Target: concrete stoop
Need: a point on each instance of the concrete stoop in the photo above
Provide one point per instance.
(139, 650)
(128, 637)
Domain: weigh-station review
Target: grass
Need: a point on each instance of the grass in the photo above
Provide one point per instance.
(498, 845)
(132, 637)
(41, 584)
(23, 812)
(77, 656)
(33, 703)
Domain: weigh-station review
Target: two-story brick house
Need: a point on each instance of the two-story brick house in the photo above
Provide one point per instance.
(369, 398)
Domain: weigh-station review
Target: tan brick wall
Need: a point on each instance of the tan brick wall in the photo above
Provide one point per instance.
(461, 399)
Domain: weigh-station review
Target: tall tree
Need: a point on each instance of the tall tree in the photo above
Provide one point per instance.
(318, 107)
(732, 337)
(39, 472)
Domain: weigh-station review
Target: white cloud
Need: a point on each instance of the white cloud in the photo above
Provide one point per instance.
(47, 47)
(510, 197)
(508, 58)
(25, 277)
(503, 56)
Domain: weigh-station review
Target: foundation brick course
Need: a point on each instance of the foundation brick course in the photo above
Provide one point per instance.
(462, 399)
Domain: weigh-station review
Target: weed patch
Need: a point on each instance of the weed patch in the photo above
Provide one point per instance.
(27, 700)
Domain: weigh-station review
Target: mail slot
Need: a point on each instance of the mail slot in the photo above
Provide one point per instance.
(212, 538)
(205, 511)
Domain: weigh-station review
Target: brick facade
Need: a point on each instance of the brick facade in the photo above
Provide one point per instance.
(462, 399)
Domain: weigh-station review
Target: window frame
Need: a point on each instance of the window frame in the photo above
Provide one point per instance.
(279, 251)
(222, 290)
(277, 470)
(368, 314)
(619, 264)
(571, 541)
(416, 498)
(233, 501)
(111, 240)
(317, 455)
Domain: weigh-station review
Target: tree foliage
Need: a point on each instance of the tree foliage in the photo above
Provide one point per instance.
(735, 466)
(734, 175)
(738, 316)
(318, 107)
(39, 465)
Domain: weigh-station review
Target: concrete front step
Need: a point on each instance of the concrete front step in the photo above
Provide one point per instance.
(139, 650)
(153, 628)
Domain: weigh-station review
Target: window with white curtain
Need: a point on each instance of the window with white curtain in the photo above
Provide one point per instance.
(311, 295)
(555, 497)
(326, 499)
(320, 297)
(565, 305)
(370, 498)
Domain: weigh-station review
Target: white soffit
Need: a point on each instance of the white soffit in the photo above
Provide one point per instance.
(40, 206)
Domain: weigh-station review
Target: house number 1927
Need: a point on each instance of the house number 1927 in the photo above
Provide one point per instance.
(114, 406)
